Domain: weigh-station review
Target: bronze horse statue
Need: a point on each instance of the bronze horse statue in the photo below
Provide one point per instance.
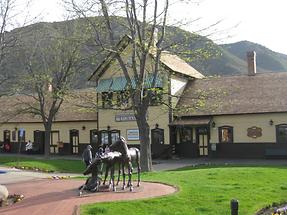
(109, 159)
(128, 156)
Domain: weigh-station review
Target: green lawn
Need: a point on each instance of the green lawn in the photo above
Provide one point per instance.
(58, 165)
(204, 190)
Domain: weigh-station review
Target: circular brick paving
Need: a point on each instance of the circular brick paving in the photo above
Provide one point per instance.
(46, 196)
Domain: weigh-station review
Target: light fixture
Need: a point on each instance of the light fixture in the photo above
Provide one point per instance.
(156, 125)
(83, 127)
(213, 124)
(16, 128)
(271, 122)
(108, 127)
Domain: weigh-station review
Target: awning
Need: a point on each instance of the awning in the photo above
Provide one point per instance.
(149, 80)
(120, 83)
(191, 121)
(104, 85)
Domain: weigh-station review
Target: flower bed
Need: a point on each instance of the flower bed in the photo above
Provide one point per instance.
(11, 200)
(274, 209)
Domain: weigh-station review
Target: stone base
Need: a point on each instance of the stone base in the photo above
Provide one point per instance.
(107, 188)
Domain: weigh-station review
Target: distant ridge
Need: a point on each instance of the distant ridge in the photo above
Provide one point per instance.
(226, 59)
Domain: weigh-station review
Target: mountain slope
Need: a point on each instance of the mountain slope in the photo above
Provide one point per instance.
(267, 59)
(202, 53)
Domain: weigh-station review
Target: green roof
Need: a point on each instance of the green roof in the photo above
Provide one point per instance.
(120, 83)
(104, 85)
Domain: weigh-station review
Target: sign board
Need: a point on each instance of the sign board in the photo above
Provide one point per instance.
(21, 132)
(254, 132)
(133, 134)
(124, 117)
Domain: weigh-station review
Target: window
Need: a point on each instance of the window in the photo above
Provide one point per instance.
(107, 99)
(104, 137)
(157, 136)
(123, 98)
(21, 135)
(281, 134)
(6, 136)
(185, 135)
(109, 136)
(225, 134)
(14, 135)
(115, 136)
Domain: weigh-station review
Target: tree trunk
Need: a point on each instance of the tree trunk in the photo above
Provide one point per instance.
(47, 140)
(144, 131)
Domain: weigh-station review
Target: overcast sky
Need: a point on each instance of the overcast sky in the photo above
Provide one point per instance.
(260, 21)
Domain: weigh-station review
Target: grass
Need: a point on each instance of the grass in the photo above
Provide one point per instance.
(204, 190)
(52, 165)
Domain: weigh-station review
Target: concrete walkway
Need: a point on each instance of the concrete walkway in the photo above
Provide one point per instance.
(163, 165)
(13, 175)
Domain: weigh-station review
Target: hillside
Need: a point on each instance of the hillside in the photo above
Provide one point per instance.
(266, 59)
(202, 53)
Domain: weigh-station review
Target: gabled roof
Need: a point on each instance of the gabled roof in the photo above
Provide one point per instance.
(178, 65)
(170, 61)
(262, 93)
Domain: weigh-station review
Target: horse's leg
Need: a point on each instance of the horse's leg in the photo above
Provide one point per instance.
(124, 175)
(119, 174)
(139, 170)
(113, 176)
(130, 175)
(106, 174)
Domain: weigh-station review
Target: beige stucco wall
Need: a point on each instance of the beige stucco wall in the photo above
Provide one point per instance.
(241, 123)
(63, 127)
(156, 115)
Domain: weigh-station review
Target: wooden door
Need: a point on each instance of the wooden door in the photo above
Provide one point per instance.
(74, 141)
(55, 138)
(202, 141)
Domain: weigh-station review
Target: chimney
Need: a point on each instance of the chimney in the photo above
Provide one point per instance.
(251, 61)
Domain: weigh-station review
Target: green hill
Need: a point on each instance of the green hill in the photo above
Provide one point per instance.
(266, 59)
(202, 53)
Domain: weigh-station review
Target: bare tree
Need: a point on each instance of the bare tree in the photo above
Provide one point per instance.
(146, 24)
(50, 66)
